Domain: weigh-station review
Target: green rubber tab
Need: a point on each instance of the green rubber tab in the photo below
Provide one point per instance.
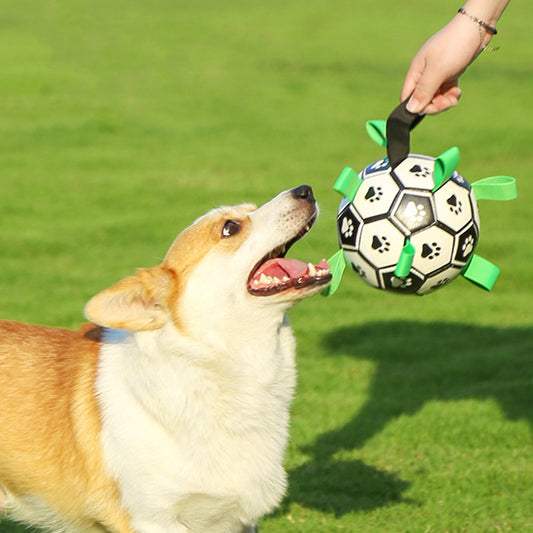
(377, 131)
(495, 188)
(481, 272)
(406, 260)
(337, 263)
(348, 183)
(445, 164)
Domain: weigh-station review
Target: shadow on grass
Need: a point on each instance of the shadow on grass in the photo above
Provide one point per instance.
(341, 487)
(415, 363)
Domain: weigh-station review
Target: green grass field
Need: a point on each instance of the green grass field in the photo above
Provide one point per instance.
(121, 121)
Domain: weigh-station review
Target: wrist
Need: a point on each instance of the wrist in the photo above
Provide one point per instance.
(489, 11)
(481, 23)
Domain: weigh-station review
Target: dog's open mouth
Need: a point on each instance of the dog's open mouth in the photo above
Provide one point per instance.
(274, 273)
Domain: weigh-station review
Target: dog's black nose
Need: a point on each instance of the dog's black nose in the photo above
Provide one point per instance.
(303, 192)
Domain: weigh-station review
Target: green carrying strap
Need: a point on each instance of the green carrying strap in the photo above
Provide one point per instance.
(377, 131)
(500, 188)
(480, 271)
(406, 260)
(348, 183)
(445, 164)
(337, 264)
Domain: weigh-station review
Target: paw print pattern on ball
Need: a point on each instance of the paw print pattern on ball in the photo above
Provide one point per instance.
(408, 285)
(453, 205)
(376, 166)
(359, 271)
(434, 250)
(414, 212)
(374, 194)
(440, 284)
(347, 227)
(456, 206)
(430, 251)
(416, 172)
(420, 172)
(380, 244)
(468, 245)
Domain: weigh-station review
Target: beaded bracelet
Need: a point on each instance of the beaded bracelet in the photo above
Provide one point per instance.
(490, 29)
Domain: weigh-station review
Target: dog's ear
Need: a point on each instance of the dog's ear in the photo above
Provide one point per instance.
(136, 303)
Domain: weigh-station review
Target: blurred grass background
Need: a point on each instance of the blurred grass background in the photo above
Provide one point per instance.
(122, 121)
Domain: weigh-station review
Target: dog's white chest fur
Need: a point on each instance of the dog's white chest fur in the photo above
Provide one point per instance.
(195, 442)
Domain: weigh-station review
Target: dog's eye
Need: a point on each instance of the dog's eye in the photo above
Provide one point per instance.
(231, 227)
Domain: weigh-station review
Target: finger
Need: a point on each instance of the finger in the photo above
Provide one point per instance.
(419, 100)
(429, 88)
(443, 102)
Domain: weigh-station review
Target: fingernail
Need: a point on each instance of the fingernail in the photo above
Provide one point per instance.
(413, 106)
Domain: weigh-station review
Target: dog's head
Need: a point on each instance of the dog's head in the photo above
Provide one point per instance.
(227, 266)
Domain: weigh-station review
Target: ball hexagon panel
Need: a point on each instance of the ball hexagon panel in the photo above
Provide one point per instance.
(362, 268)
(416, 172)
(457, 178)
(348, 227)
(439, 280)
(413, 211)
(465, 244)
(375, 195)
(408, 285)
(377, 166)
(381, 243)
(452, 205)
(433, 249)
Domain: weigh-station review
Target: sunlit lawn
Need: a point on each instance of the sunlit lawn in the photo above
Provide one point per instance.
(120, 122)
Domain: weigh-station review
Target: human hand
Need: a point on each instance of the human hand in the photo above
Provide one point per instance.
(433, 76)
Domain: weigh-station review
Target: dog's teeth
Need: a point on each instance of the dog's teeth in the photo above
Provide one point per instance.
(308, 227)
(286, 278)
(275, 279)
(265, 280)
(312, 270)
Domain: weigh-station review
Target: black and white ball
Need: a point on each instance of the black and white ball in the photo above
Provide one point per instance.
(390, 208)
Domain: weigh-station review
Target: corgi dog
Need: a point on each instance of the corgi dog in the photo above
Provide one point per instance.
(169, 411)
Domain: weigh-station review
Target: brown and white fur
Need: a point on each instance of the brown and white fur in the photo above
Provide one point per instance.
(169, 412)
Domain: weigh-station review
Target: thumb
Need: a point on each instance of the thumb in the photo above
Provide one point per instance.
(428, 83)
(422, 95)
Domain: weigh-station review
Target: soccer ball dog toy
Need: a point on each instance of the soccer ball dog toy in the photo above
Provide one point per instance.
(409, 223)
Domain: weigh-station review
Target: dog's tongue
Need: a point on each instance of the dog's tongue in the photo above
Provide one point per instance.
(280, 268)
(279, 274)
(281, 271)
